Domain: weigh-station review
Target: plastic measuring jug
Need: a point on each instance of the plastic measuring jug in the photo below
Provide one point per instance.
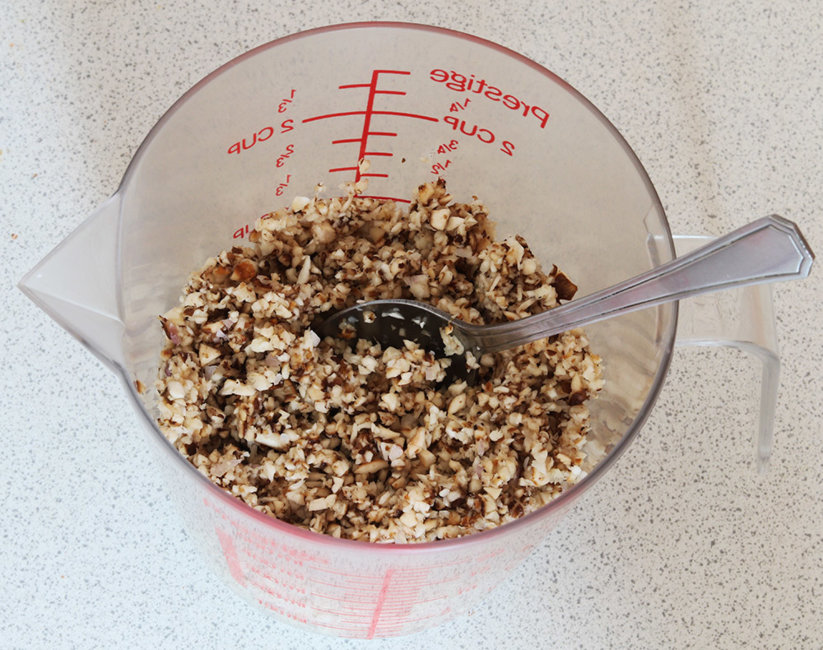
(416, 103)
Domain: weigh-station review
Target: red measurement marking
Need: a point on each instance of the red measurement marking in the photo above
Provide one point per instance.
(373, 112)
(351, 140)
(402, 619)
(264, 581)
(376, 92)
(279, 192)
(356, 580)
(282, 158)
(328, 626)
(281, 108)
(438, 167)
(241, 232)
(368, 114)
(343, 599)
(359, 175)
(230, 553)
(328, 115)
(381, 597)
(325, 571)
(451, 145)
(283, 612)
(402, 622)
(262, 135)
(398, 608)
(352, 613)
(350, 599)
(457, 106)
(336, 585)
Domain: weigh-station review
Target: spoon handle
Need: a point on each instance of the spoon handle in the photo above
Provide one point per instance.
(766, 250)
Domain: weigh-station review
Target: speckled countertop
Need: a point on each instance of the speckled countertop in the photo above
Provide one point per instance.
(682, 544)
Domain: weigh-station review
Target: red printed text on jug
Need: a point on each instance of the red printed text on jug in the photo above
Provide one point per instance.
(480, 88)
(261, 135)
(481, 133)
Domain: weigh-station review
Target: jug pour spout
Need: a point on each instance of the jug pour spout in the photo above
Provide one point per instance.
(76, 284)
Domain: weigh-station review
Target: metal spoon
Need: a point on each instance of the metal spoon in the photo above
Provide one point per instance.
(766, 250)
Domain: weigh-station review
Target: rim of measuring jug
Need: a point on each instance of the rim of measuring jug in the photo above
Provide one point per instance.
(480, 537)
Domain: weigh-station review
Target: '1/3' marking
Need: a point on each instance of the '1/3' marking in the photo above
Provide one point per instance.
(283, 105)
(282, 187)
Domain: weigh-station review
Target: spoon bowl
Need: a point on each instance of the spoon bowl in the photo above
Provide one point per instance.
(766, 250)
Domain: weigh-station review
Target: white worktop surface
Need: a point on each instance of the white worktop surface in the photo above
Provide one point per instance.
(682, 544)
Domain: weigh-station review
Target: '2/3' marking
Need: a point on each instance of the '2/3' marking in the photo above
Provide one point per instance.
(281, 159)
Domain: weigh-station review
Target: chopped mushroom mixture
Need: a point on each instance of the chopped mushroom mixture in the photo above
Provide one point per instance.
(348, 438)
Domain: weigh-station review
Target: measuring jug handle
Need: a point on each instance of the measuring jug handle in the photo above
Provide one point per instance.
(76, 284)
(742, 319)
